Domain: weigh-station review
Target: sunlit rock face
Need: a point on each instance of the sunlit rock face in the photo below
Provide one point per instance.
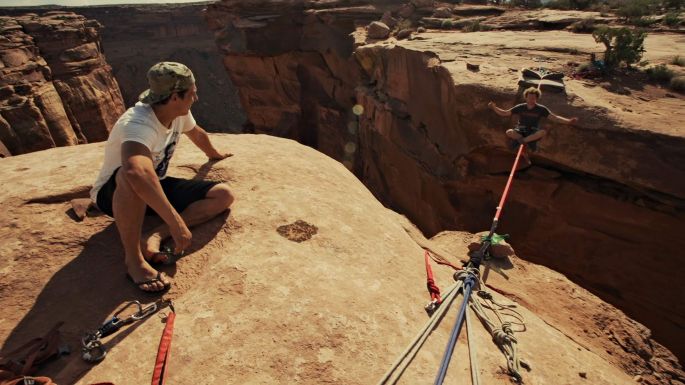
(56, 89)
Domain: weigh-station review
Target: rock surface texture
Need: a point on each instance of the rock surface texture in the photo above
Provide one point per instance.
(56, 88)
(309, 280)
(604, 201)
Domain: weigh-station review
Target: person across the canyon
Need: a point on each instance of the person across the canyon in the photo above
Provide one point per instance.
(133, 180)
(530, 115)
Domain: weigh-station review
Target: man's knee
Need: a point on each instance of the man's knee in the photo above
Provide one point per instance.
(222, 194)
(122, 183)
(125, 197)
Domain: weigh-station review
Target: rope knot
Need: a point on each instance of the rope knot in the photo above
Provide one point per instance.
(470, 272)
(506, 327)
(502, 336)
(499, 336)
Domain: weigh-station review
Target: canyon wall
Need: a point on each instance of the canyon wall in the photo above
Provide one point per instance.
(603, 200)
(148, 34)
(56, 88)
(134, 37)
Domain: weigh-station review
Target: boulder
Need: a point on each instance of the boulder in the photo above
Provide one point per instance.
(443, 12)
(405, 33)
(378, 30)
(499, 249)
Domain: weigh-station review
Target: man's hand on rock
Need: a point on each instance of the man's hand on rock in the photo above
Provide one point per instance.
(573, 121)
(181, 236)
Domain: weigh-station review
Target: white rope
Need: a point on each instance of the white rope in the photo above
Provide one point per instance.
(472, 350)
(403, 361)
(503, 336)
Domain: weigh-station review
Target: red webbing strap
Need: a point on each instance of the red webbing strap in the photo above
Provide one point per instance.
(506, 188)
(437, 258)
(22, 380)
(433, 289)
(159, 374)
(33, 353)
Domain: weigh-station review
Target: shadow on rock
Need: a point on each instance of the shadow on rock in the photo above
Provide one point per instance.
(84, 294)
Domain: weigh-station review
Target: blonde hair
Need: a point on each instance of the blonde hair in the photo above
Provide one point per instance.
(532, 90)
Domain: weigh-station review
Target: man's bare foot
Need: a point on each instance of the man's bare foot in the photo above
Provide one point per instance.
(150, 246)
(147, 278)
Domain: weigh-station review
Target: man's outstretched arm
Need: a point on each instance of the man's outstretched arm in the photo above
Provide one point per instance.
(200, 138)
(498, 110)
(561, 119)
(139, 172)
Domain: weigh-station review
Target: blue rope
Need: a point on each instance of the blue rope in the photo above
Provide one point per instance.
(469, 282)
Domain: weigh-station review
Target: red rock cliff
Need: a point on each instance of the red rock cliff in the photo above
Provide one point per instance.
(137, 36)
(293, 65)
(57, 88)
(603, 203)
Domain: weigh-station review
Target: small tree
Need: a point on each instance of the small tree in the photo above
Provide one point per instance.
(622, 45)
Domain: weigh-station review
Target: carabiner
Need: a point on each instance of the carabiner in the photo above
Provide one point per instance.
(93, 352)
(146, 311)
(131, 317)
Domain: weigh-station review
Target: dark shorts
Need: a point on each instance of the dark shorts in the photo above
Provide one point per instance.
(180, 193)
(526, 131)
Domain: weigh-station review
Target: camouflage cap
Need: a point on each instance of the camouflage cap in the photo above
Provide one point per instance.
(164, 79)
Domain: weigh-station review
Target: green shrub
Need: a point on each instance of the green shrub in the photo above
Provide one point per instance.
(560, 4)
(527, 3)
(673, 4)
(678, 61)
(672, 19)
(632, 9)
(678, 83)
(660, 73)
(582, 4)
(643, 22)
(622, 45)
(446, 24)
(601, 7)
(584, 67)
(573, 4)
(475, 27)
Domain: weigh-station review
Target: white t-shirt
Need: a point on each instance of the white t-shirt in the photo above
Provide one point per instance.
(140, 124)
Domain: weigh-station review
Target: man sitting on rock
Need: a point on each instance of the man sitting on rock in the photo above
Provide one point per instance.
(133, 178)
(530, 114)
